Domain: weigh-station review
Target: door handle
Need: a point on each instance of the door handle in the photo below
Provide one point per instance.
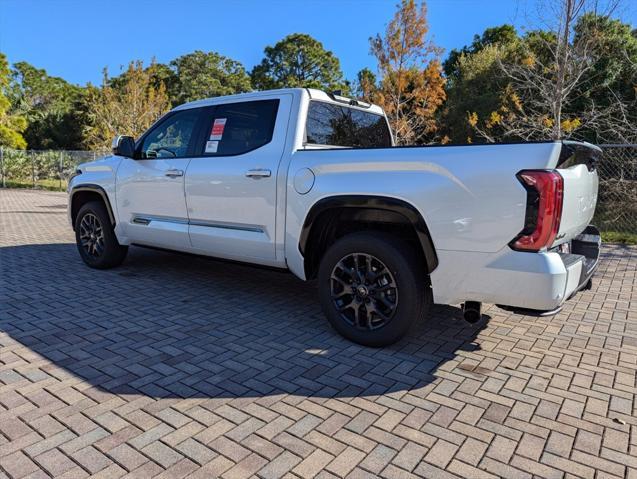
(175, 173)
(258, 173)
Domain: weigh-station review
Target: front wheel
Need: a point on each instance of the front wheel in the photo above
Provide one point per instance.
(372, 288)
(95, 238)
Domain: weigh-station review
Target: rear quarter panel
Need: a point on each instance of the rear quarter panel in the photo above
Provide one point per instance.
(468, 195)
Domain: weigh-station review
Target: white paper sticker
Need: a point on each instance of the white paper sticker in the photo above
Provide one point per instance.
(217, 129)
(211, 146)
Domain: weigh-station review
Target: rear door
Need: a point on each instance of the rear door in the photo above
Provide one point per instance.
(231, 185)
(150, 188)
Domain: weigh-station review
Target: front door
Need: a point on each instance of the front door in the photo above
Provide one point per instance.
(231, 188)
(150, 189)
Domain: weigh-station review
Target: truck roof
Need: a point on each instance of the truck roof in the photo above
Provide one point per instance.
(313, 94)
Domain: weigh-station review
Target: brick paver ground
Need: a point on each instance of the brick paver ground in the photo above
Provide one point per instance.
(175, 366)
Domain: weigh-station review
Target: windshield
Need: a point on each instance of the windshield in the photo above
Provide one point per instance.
(337, 125)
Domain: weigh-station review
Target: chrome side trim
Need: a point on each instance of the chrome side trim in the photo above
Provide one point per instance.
(146, 220)
(229, 226)
(141, 221)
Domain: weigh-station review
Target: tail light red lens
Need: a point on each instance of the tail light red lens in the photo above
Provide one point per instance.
(545, 193)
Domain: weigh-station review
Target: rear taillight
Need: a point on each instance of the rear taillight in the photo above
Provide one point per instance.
(545, 192)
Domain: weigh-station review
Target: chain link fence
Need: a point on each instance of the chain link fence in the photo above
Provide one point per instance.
(616, 208)
(46, 169)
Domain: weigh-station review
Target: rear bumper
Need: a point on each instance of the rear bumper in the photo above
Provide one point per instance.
(580, 264)
(529, 283)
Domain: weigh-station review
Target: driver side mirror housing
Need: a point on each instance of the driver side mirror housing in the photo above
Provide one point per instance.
(124, 146)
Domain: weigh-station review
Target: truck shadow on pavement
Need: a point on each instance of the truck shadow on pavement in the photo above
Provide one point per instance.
(171, 326)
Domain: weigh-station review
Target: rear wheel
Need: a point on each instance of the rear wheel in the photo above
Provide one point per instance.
(95, 238)
(372, 287)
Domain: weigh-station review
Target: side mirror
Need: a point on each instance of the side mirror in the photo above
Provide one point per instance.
(124, 146)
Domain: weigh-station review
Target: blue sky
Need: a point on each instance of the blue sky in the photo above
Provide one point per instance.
(75, 39)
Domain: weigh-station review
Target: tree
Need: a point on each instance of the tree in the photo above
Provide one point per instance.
(553, 81)
(195, 76)
(11, 124)
(366, 86)
(203, 75)
(127, 109)
(574, 79)
(478, 96)
(611, 83)
(298, 61)
(159, 74)
(50, 105)
(411, 88)
(478, 91)
(503, 35)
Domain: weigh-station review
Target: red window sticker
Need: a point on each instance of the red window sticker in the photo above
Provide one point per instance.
(217, 129)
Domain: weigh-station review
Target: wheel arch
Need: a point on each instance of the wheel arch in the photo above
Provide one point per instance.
(81, 194)
(361, 212)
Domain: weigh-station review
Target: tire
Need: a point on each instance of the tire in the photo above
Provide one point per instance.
(95, 238)
(385, 312)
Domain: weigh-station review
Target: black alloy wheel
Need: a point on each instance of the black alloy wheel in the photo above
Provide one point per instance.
(95, 237)
(373, 287)
(364, 291)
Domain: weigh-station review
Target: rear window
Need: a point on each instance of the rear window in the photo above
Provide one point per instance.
(238, 128)
(336, 125)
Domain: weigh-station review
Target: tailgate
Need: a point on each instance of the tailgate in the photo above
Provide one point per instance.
(578, 167)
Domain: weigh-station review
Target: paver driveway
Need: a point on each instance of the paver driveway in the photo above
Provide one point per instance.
(174, 366)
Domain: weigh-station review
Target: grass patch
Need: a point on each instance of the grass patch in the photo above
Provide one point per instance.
(44, 184)
(619, 237)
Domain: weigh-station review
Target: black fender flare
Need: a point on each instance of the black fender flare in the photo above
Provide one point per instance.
(95, 189)
(377, 203)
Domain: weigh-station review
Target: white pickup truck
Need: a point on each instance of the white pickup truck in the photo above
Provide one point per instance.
(312, 182)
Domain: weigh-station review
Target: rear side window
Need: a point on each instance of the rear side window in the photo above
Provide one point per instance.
(336, 125)
(238, 128)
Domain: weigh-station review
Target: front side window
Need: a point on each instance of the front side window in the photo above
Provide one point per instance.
(336, 125)
(237, 128)
(171, 137)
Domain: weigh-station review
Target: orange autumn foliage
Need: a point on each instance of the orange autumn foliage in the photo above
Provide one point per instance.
(411, 87)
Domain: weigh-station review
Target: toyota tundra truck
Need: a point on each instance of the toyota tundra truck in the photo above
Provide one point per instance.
(312, 182)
